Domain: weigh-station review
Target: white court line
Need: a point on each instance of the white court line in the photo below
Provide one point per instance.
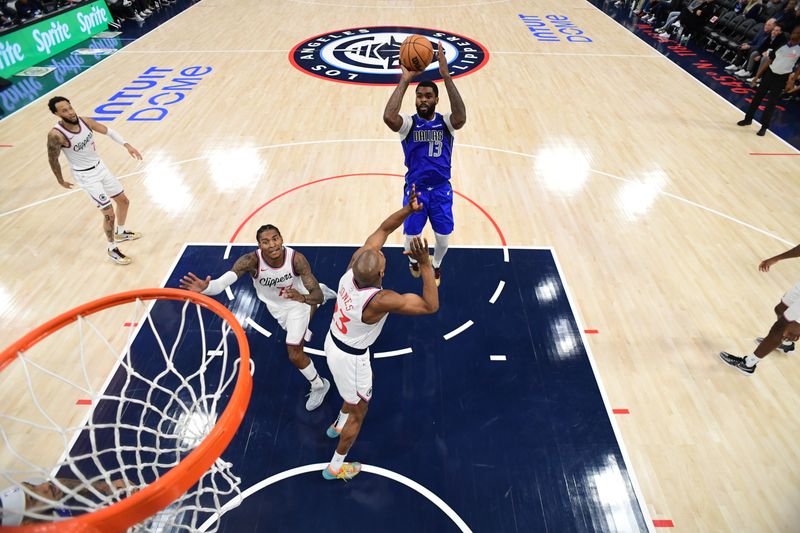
(497, 358)
(318, 467)
(227, 253)
(458, 330)
(214, 353)
(609, 411)
(393, 353)
(497, 292)
(229, 293)
(258, 328)
(477, 147)
(505, 254)
(313, 351)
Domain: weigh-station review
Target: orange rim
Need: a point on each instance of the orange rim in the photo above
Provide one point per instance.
(166, 489)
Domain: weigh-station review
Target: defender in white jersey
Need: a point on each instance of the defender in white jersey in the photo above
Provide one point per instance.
(783, 333)
(362, 306)
(74, 137)
(283, 280)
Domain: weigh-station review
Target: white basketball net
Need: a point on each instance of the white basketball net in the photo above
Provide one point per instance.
(107, 440)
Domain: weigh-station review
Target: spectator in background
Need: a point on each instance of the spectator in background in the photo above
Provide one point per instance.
(690, 19)
(787, 17)
(777, 38)
(778, 71)
(28, 8)
(743, 67)
(772, 8)
(752, 9)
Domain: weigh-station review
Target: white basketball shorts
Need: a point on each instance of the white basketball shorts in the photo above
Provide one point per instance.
(351, 373)
(99, 183)
(792, 301)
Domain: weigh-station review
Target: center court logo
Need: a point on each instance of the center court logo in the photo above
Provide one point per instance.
(370, 55)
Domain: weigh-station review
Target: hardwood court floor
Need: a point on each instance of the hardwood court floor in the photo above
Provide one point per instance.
(633, 172)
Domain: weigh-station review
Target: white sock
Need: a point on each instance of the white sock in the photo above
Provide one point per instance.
(120, 229)
(751, 360)
(311, 375)
(442, 242)
(336, 462)
(341, 420)
(407, 245)
(111, 245)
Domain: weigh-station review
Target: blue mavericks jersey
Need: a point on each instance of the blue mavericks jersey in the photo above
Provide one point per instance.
(428, 148)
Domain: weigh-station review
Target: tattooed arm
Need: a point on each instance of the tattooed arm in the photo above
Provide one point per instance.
(248, 263)
(303, 269)
(54, 143)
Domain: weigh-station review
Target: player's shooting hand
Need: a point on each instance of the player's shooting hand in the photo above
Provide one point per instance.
(190, 282)
(419, 251)
(133, 151)
(766, 263)
(292, 294)
(408, 75)
(444, 70)
(413, 200)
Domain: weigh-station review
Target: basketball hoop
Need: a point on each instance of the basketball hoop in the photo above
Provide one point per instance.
(154, 432)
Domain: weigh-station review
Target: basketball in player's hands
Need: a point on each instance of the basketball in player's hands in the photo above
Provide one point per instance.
(416, 53)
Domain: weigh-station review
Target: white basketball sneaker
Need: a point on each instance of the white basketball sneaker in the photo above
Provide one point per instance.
(315, 396)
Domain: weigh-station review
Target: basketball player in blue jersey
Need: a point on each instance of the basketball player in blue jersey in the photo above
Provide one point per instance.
(427, 139)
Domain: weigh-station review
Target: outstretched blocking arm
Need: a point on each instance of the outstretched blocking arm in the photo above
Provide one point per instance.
(788, 254)
(458, 112)
(115, 136)
(387, 227)
(248, 263)
(303, 269)
(391, 114)
(54, 143)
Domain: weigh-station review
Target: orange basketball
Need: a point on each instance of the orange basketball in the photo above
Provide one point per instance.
(416, 52)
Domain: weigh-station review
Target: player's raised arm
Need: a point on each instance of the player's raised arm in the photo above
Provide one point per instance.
(303, 269)
(458, 112)
(395, 220)
(388, 301)
(247, 263)
(391, 114)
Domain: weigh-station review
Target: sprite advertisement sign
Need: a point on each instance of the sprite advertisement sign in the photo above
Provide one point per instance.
(35, 43)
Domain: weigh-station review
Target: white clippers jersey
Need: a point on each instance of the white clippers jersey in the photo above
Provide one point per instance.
(270, 283)
(350, 303)
(81, 152)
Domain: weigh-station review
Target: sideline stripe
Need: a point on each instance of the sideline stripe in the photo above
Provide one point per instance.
(621, 411)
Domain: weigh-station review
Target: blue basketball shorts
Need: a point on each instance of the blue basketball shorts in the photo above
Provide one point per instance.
(437, 205)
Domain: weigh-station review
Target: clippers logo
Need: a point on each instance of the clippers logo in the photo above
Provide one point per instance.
(370, 56)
